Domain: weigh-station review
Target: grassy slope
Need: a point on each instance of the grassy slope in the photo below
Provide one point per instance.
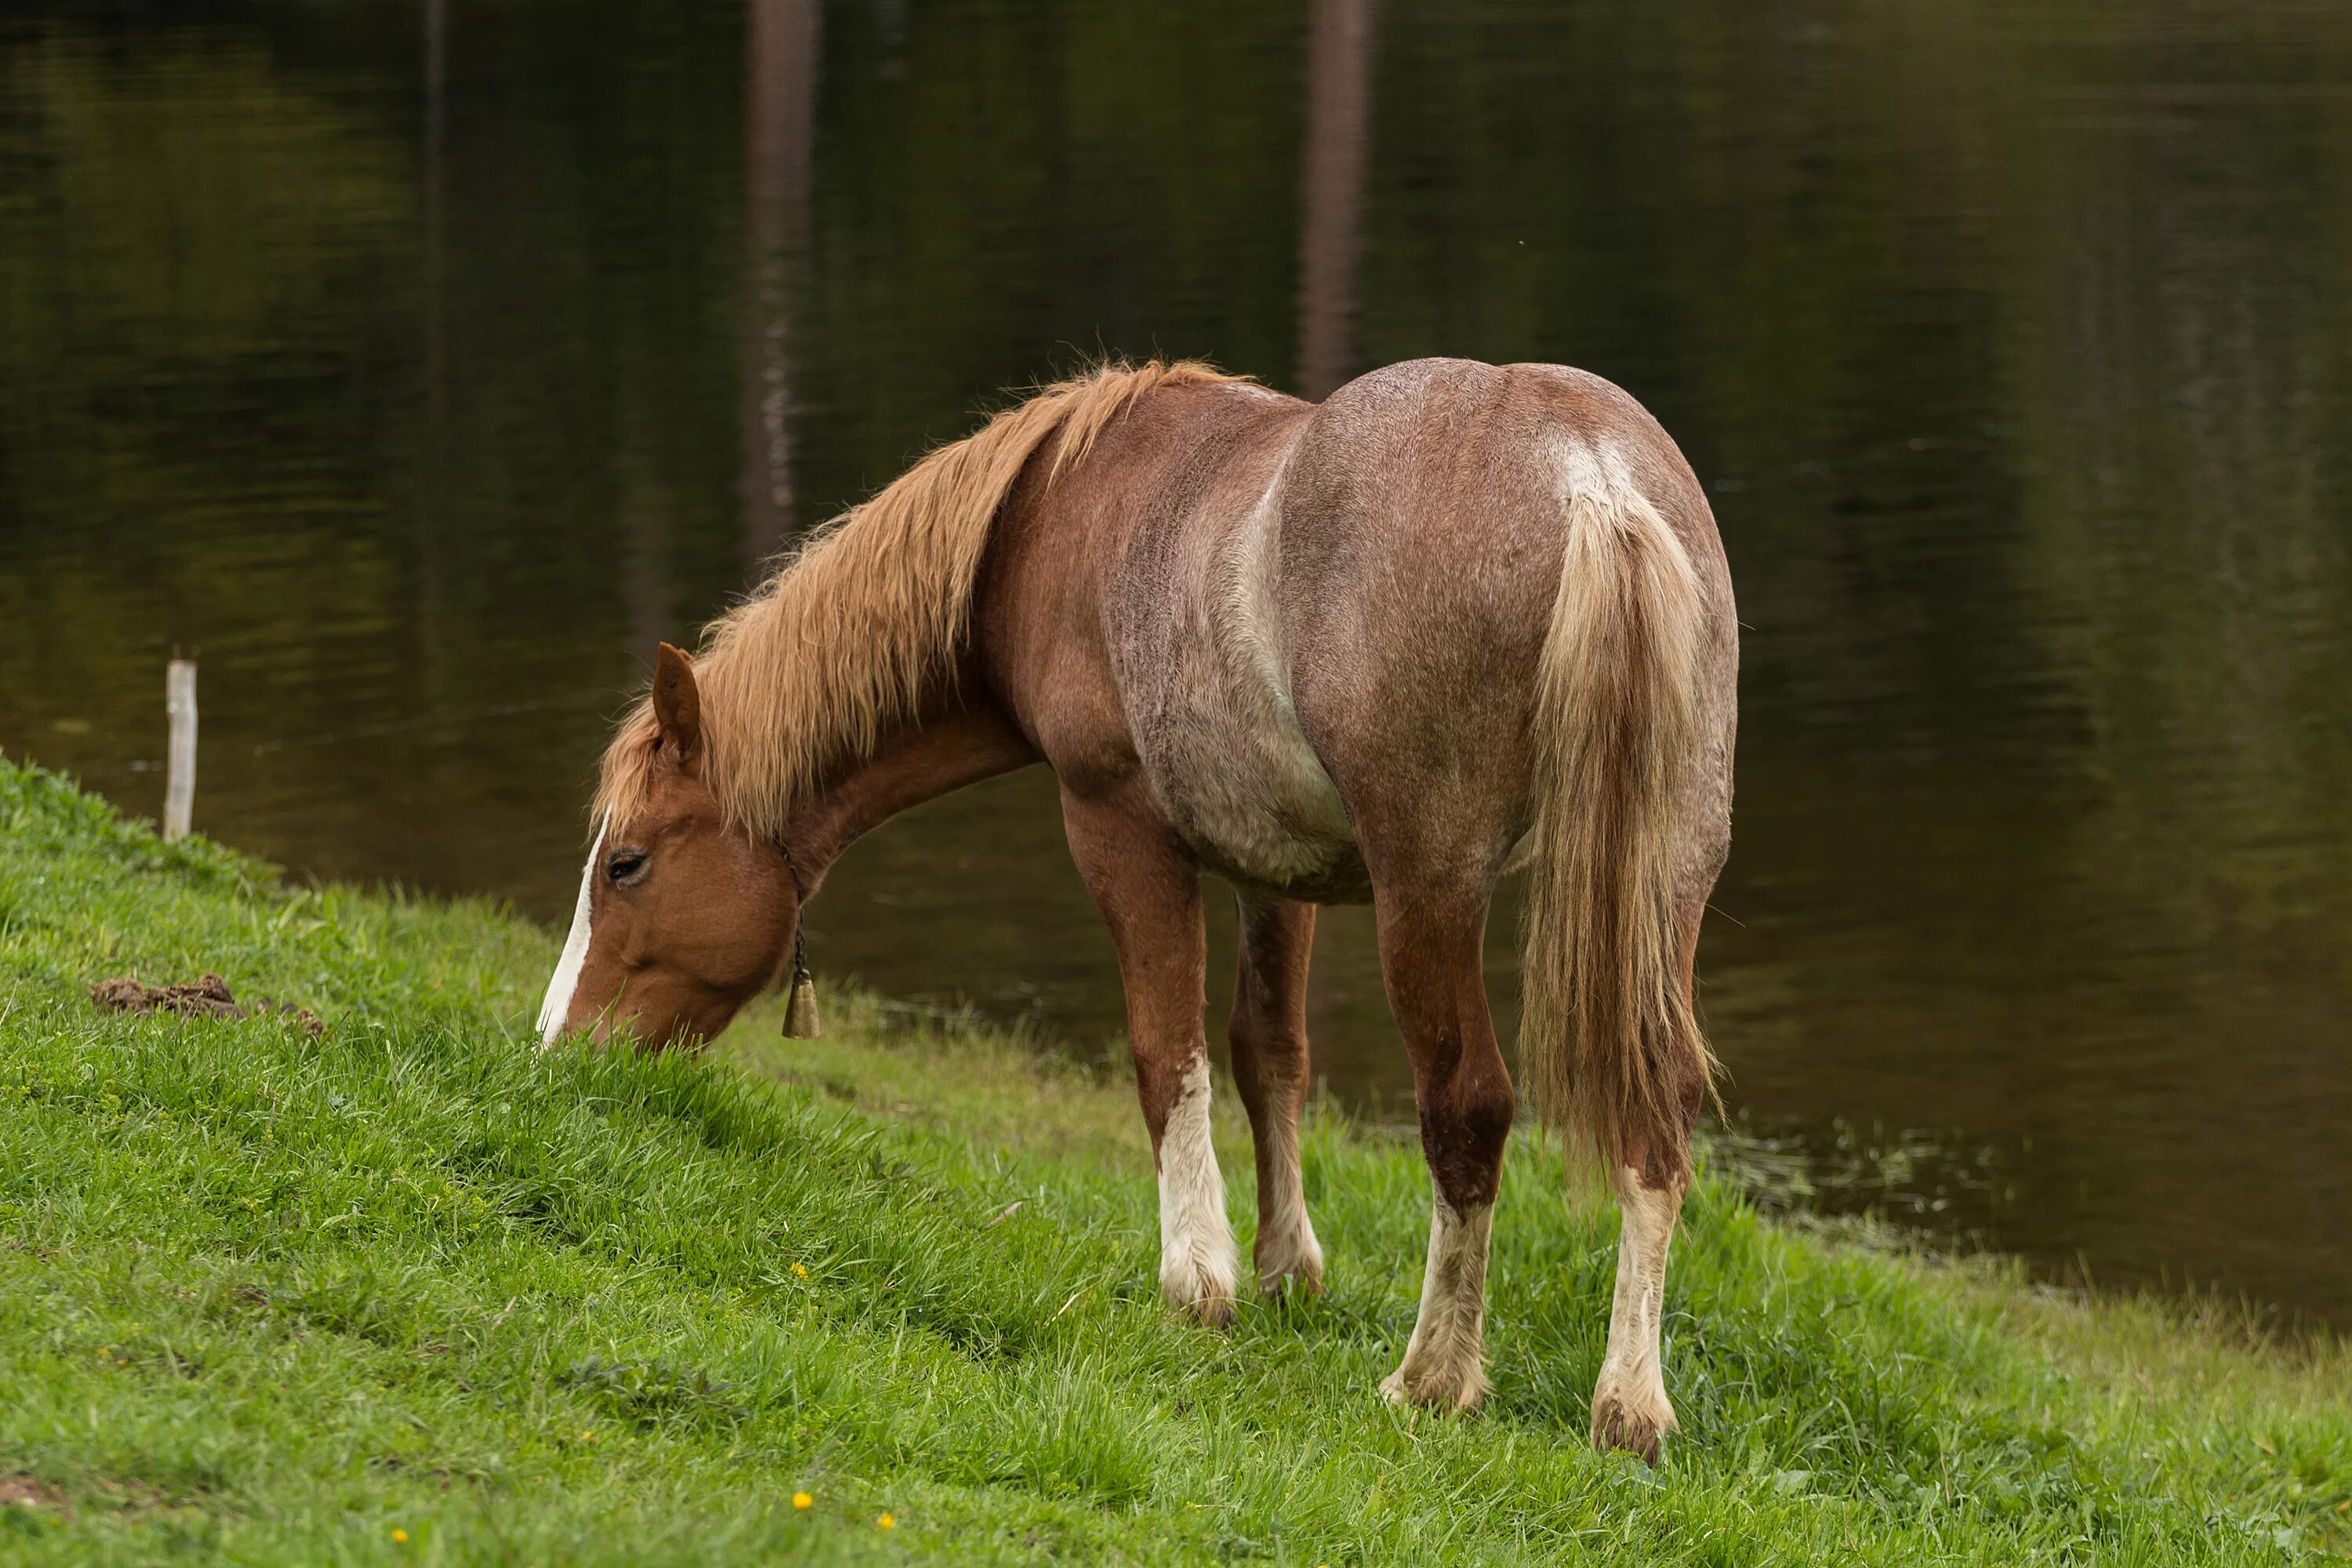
(267, 1300)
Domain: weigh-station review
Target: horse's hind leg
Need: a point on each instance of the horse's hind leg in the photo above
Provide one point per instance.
(1269, 1039)
(1630, 1409)
(1430, 947)
(1149, 889)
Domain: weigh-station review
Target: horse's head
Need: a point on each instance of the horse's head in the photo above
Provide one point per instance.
(683, 916)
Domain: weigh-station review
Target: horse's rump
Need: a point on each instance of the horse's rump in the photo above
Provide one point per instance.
(1507, 622)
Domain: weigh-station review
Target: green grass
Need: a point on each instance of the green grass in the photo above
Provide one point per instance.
(270, 1299)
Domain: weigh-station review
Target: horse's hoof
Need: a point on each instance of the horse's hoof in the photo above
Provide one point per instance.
(1204, 1298)
(1617, 1427)
(1274, 1286)
(1437, 1388)
(1212, 1311)
(1305, 1273)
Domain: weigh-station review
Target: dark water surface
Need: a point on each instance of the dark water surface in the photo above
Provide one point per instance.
(422, 367)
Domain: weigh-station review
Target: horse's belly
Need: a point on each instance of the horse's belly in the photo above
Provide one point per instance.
(1203, 675)
(1253, 803)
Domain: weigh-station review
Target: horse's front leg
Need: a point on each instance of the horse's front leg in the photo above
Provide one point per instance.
(1431, 946)
(1149, 889)
(1269, 1038)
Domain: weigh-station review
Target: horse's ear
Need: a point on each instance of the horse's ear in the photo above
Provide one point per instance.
(677, 705)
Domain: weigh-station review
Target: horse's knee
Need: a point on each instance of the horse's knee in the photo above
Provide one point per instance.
(1162, 1081)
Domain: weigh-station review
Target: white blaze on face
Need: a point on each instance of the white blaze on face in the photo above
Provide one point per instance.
(557, 1004)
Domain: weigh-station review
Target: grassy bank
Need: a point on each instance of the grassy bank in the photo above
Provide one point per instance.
(412, 1292)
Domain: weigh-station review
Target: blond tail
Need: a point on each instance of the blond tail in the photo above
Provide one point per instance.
(1608, 1040)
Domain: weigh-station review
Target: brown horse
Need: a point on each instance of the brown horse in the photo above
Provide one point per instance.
(1454, 619)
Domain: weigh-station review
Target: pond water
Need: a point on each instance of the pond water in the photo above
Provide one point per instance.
(420, 365)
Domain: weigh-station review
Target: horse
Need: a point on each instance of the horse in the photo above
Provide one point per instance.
(1452, 620)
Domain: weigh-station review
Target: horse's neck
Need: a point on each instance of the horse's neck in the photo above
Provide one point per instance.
(944, 752)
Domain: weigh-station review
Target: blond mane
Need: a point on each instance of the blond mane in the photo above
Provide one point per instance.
(851, 634)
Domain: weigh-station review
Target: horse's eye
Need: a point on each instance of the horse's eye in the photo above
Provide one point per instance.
(624, 866)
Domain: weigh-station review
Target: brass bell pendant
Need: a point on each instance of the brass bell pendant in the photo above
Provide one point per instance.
(800, 1013)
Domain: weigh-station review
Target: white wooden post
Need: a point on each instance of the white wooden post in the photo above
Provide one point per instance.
(179, 781)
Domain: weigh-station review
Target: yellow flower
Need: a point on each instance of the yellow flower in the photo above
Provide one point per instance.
(801, 1499)
(399, 1536)
(800, 1270)
(885, 1521)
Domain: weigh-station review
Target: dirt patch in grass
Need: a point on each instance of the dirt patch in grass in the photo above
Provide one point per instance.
(25, 1492)
(205, 998)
